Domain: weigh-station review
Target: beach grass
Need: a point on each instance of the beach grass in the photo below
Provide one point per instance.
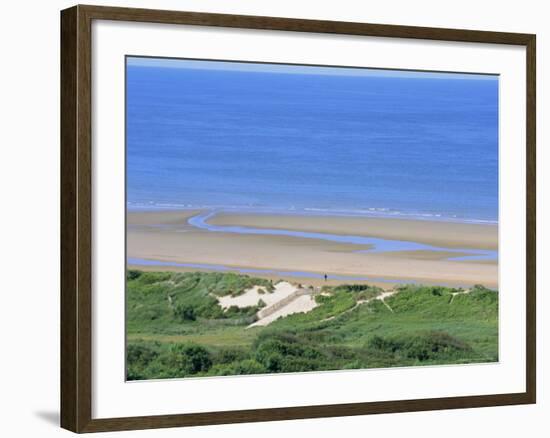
(175, 328)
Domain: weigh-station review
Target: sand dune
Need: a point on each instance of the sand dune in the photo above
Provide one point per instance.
(285, 300)
(252, 296)
(300, 304)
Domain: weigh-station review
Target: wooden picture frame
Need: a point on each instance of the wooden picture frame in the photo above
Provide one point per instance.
(76, 218)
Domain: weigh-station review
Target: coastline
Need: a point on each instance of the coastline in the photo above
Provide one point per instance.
(428, 231)
(165, 236)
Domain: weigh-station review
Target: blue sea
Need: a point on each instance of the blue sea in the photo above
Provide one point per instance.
(419, 147)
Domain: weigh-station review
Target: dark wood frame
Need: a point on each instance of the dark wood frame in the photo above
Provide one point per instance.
(76, 201)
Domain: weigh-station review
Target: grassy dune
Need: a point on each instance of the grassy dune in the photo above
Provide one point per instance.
(176, 328)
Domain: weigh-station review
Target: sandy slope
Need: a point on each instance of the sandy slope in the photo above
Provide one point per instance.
(251, 296)
(285, 300)
(301, 304)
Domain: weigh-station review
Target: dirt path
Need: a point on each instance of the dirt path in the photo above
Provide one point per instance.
(351, 309)
(454, 294)
(380, 297)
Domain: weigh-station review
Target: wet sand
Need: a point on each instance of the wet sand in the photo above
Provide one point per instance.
(166, 237)
(437, 233)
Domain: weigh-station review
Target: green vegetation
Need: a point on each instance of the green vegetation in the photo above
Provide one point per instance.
(163, 302)
(176, 328)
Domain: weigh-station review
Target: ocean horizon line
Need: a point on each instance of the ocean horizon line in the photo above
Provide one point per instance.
(229, 66)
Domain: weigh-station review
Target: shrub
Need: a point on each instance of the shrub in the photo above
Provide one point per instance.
(247, 366)
(185, 312)
(141, 354)
(421, 347)
(356, 288)
(138, 358)
(284, 352)
(229, 355)
(132, 274)
(187, 359)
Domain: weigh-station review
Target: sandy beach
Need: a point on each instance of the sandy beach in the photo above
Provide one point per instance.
(440, 233)
(167, 237)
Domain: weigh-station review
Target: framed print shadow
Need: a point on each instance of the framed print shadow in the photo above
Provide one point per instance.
(270, 218)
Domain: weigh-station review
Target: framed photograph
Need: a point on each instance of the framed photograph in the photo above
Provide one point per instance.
(270, 218)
